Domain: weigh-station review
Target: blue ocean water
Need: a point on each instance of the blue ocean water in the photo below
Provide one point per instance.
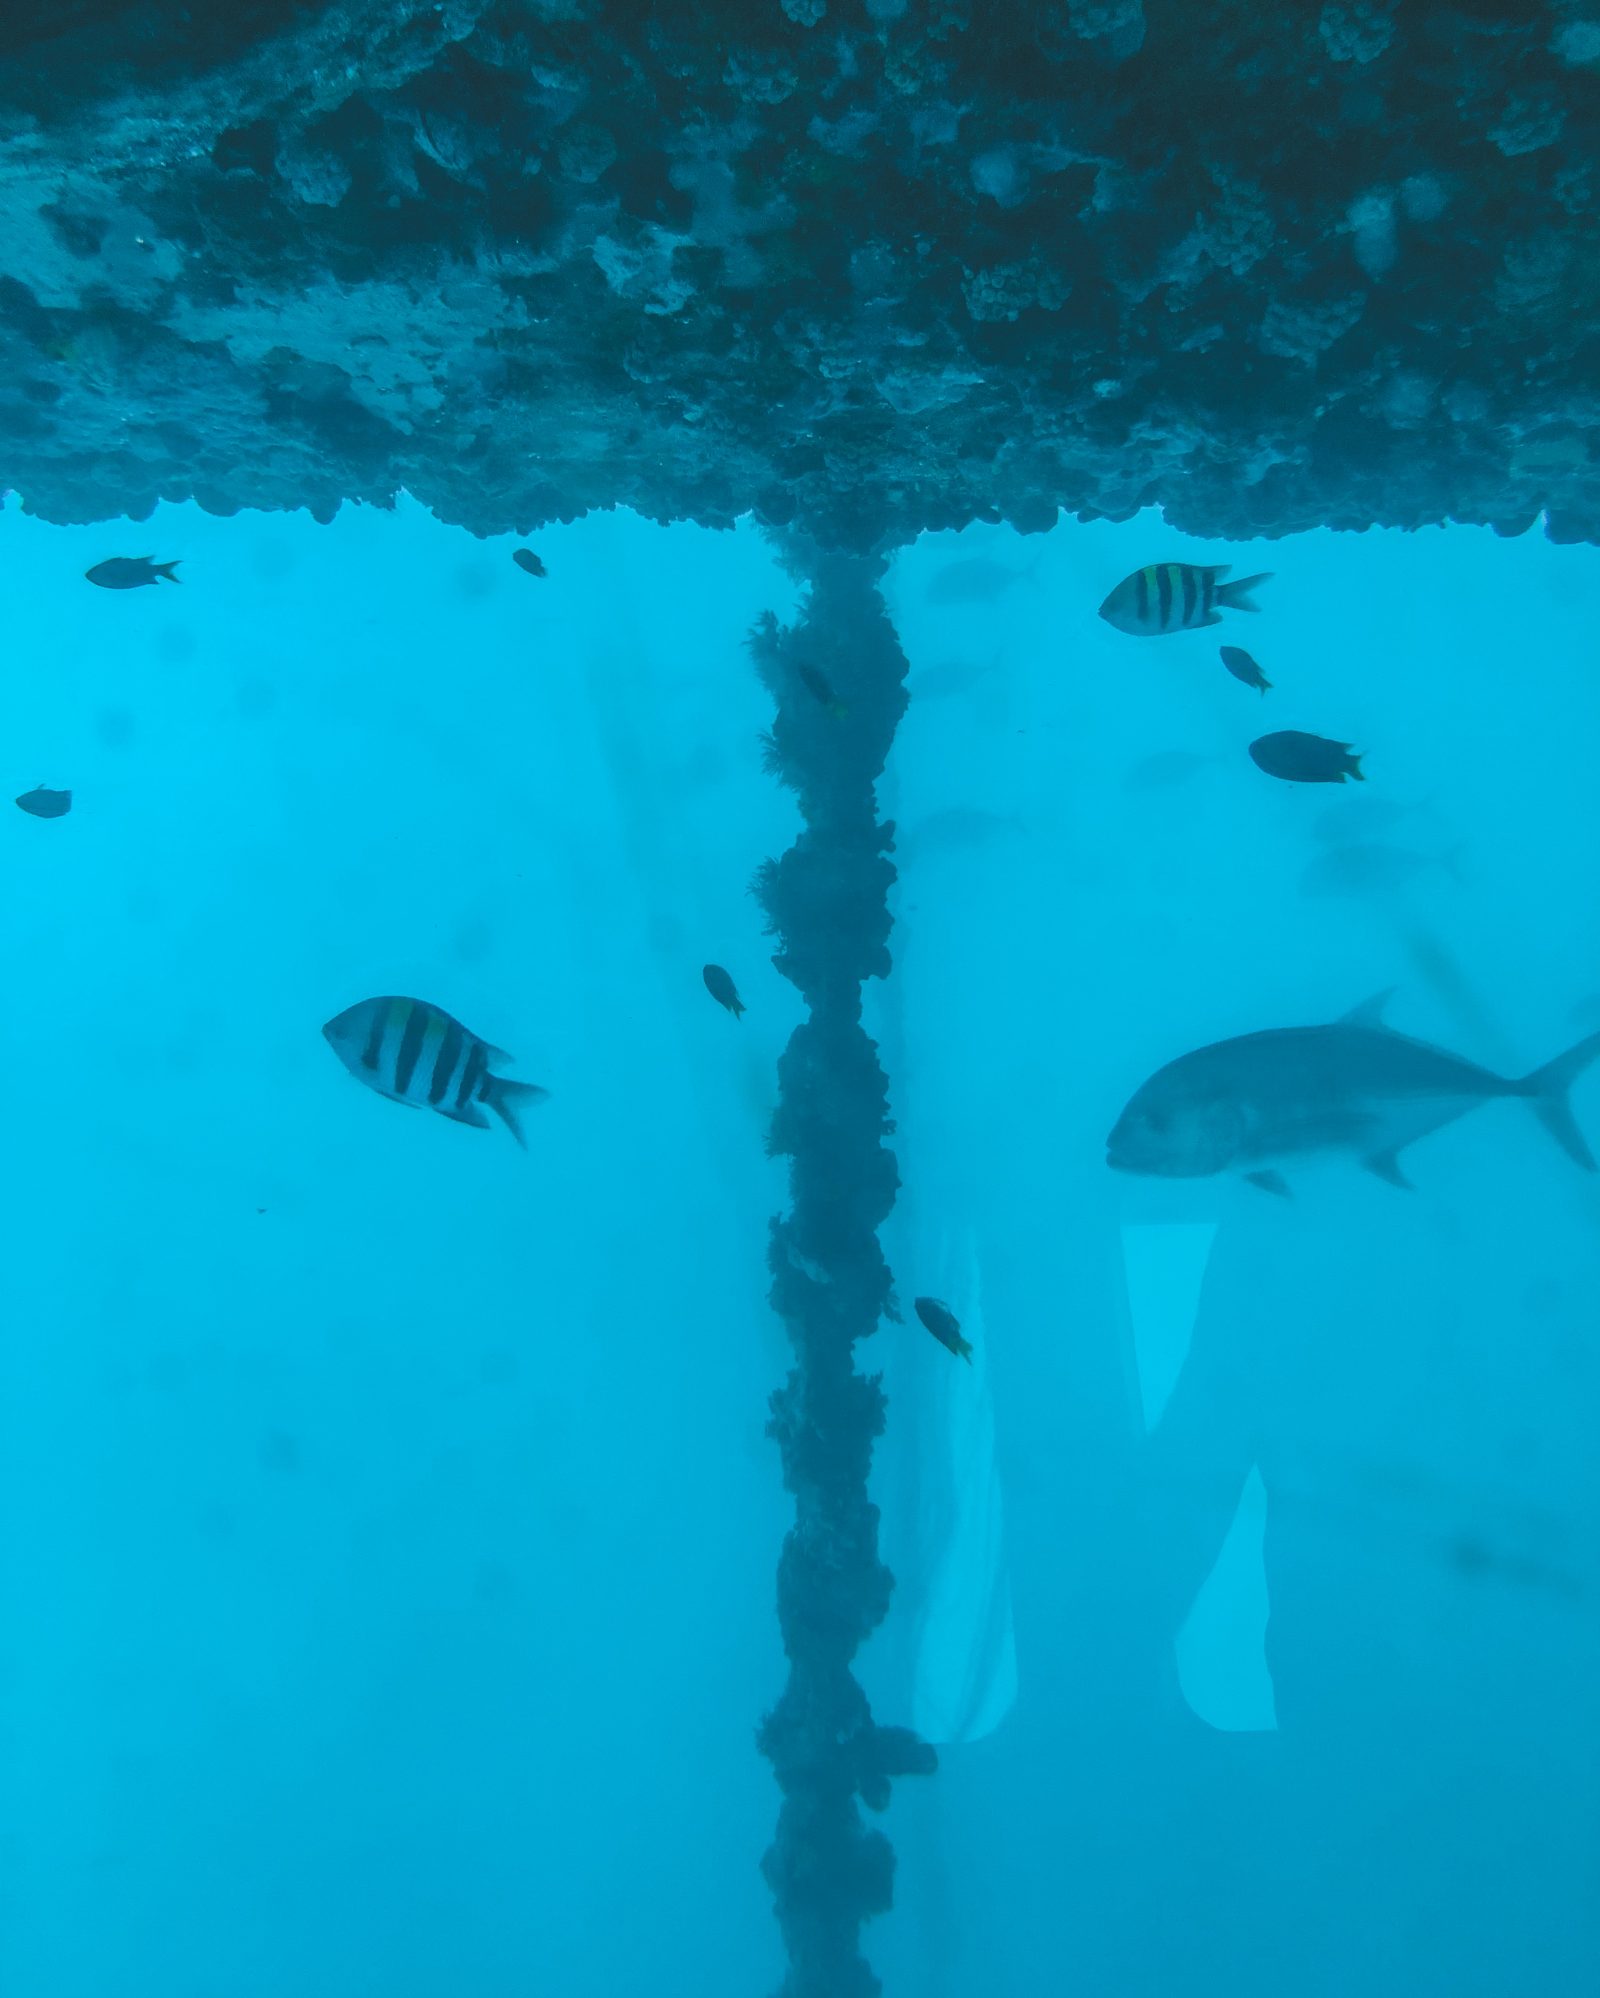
(386, 1590)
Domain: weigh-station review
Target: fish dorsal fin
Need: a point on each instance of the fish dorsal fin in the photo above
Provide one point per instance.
(1370, 1012)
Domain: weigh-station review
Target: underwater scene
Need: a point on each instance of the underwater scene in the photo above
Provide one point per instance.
(803, 984)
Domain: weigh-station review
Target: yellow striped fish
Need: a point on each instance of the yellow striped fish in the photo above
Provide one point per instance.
(1176, 596)
(413, 1052)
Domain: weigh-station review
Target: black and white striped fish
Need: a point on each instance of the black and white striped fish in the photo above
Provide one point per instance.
(1176, 596)
(413, 1052)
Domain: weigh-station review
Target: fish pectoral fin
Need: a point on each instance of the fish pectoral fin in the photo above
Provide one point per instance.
(1270, 1182)
(1387, 1166)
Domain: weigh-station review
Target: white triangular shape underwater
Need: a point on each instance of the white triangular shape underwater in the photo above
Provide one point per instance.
(964, 1674)
(1164, 1264)
(1222, 1667)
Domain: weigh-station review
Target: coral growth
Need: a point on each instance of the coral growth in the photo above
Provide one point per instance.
(860, 269)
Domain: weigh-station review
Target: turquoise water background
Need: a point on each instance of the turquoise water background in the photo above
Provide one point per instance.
(386, 1583)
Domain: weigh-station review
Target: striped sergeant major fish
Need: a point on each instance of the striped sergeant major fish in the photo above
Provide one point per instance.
(1176, 596)
(413, 1052)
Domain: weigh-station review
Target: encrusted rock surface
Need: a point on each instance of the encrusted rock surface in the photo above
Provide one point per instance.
(863, 267)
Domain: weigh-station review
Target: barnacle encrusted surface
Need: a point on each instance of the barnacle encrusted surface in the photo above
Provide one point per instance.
(862, 267)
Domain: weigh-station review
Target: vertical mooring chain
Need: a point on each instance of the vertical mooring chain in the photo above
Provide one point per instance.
(838, 678)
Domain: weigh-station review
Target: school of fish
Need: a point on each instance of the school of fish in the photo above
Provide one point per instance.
(1259, 1105)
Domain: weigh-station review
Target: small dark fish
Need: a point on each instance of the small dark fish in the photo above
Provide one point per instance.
(722, 989)
(808, 1266)
(977, 580)
(1474, 1556)
(942, 1322)
(1176, 596)
(1299, 758)
(528, 562)
(130, 572)
(1278, 1098)
(1243, 667)
(1359, 813)
(816, 685)
(1165, 768)
(414, 1052)
(958, 829)
(42, 804)
(1370, 868)
(949, 677)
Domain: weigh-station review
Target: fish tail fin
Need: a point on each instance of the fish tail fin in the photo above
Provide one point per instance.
(1354, 768)
(964, 1348)
(736, 1007)
(1547, 1089)
(1265, 683)
(1236, 596)
(165, 569)
(504, 1097)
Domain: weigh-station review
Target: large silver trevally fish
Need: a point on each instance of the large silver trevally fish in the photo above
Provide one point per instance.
(1268, 1100)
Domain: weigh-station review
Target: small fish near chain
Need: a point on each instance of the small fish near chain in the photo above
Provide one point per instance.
(978, 580)
(722, 989)
(942, 1322)
(950, 678)
(817, 685)
(130, 572)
